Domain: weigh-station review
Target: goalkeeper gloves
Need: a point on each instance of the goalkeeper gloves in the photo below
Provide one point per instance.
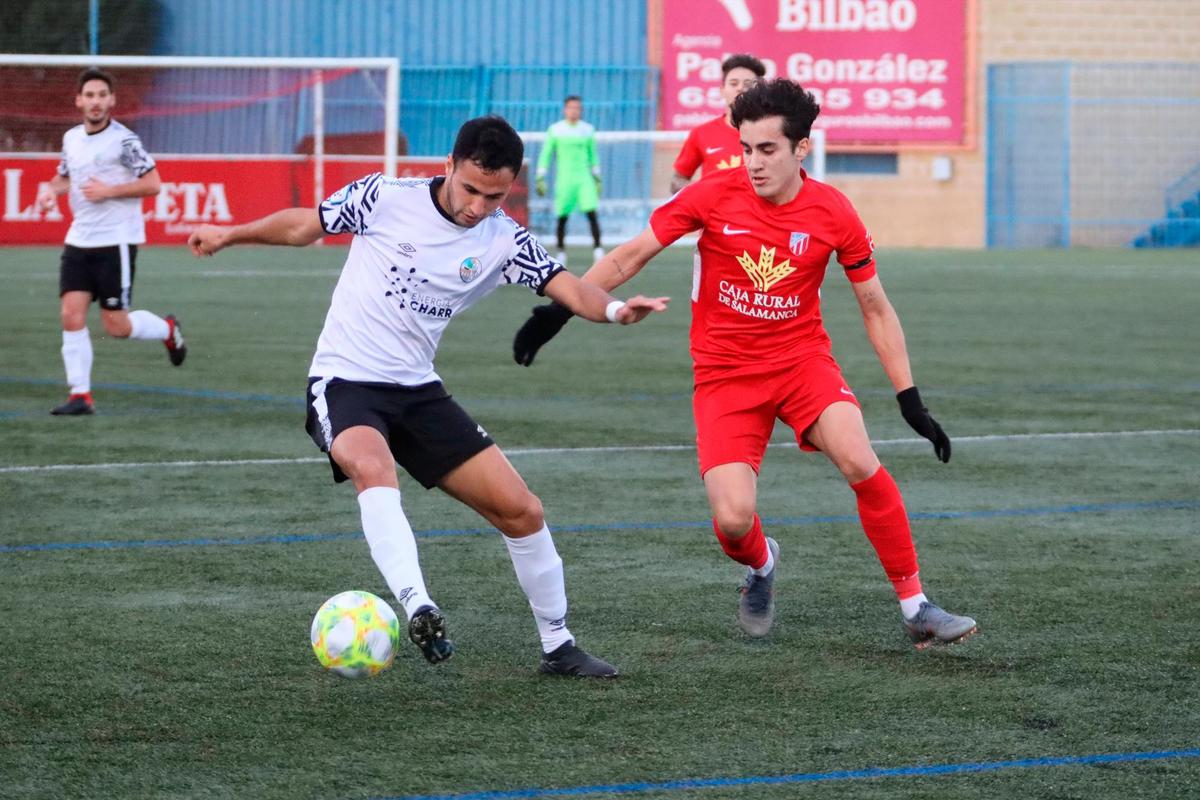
(917, 416)
(540, 185)
(541, 327)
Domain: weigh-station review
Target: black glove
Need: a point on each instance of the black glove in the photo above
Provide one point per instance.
(917, 416)
(545, 322)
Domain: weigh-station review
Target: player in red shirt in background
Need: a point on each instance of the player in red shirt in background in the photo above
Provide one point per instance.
(761, 353)
(715, 144)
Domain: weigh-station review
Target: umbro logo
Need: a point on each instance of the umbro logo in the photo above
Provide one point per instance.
(728, 231)
(711, 150)
(406, 249)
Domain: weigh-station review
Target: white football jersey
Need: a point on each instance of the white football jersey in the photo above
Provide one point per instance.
(113, 155)
(411, 270)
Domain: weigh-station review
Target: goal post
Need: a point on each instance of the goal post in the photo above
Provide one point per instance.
(273, 131)
(636, 169)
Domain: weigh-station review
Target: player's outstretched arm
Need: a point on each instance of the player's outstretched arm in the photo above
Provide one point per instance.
(616, 267)
(887, 337)
(623, 262)
(296, 227)
(591, 302)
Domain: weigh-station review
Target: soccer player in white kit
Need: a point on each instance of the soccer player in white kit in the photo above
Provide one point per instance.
(425, 250)
(107, 173)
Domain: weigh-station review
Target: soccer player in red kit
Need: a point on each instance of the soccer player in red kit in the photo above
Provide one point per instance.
(715, 145)
(761, 353)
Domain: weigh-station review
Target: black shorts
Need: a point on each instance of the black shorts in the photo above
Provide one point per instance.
(106, 272)
(428, 433)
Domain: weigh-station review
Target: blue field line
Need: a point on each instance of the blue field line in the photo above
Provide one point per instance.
(172, 391)
(292, 538)
(971, 767)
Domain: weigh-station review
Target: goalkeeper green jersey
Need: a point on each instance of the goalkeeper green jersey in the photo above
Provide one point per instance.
(577, 169)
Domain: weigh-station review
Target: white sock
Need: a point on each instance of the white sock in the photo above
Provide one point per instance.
(393, 547)
(146, 325)
(766, 568)
(540, 573)
(77, 358)
(909, 606)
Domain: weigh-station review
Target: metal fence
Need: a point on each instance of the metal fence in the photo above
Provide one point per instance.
(1093, 154)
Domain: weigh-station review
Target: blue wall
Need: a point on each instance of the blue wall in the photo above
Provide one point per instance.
(459, 58)
(418, 32)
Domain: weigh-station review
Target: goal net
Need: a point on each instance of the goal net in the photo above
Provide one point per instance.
(233, 137)
(636, 171)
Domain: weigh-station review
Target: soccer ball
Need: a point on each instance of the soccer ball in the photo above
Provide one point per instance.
(355, 634)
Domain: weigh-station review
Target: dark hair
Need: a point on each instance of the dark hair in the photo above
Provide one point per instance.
(491, 143)
(744, 60)
(777, 98)
(93, 74)
(571, 97)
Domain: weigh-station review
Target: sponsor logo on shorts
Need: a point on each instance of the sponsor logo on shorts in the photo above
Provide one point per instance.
(470, 269)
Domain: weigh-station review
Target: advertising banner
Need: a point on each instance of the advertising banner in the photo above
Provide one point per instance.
(203, 190)
(884, 71)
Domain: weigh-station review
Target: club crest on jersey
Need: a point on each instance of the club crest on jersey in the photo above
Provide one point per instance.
(469, 269)
(765, 273)
(798, 243)
(338, 197)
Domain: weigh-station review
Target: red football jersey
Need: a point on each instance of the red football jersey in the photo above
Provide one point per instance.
(755, 297)
(714, 145)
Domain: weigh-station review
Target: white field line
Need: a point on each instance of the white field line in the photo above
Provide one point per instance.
(647, 448)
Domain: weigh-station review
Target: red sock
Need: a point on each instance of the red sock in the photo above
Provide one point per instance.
(750, 549)
(881, 509)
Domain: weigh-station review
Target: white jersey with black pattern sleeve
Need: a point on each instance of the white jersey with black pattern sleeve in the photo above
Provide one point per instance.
(113, 155)
(409, 271)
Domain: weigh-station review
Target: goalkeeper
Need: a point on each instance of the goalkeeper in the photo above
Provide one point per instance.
(577, 178)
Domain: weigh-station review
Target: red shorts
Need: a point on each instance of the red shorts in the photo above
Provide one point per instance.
(735, 416)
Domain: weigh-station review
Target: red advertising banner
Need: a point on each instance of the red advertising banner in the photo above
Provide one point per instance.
(203, 190)
(884, 71)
